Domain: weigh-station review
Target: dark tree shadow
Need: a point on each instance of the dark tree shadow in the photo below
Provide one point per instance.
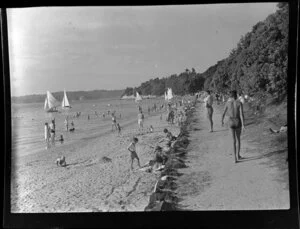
(243, 159)
(215, 131)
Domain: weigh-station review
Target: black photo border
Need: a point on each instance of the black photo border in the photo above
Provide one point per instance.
(178, 219)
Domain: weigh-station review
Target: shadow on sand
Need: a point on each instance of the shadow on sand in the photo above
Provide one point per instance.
(243, 159)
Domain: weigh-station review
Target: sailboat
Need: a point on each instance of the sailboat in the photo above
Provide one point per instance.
(65, 102)
(138, 97)
(50, 103)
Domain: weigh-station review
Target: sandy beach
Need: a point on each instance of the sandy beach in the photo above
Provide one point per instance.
(97, 176)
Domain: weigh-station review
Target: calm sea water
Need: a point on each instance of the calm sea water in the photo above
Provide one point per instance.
(28, 121)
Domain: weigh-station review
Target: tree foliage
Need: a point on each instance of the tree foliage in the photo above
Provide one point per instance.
(257, 65)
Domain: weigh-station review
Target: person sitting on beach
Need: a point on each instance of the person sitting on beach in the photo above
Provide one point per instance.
(132, 150)
(47, 135)
(235, 122)
(282, 129)
(151, 129)
(141, 120)
(114, 122)
(169, 135)
(61, 161)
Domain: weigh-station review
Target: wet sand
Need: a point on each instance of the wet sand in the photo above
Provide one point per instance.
(97, 176)
(212, 181)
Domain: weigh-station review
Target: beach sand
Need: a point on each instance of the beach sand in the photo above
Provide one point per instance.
(97, 176)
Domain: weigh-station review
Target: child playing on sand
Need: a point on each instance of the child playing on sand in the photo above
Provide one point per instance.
(151, 129)
(132, 149)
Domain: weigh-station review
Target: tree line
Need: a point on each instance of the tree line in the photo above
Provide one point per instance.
(258, 65)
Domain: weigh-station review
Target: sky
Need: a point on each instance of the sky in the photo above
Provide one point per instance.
(91, 48)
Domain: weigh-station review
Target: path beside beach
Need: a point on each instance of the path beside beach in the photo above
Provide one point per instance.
(212, 181)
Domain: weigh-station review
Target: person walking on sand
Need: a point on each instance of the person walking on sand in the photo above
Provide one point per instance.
(52, 132)
(114, 122)
(119, 128)
(66, 123)
(47, 135)
(141, 121)
(208, 104)
(235, 122)
(132, 150)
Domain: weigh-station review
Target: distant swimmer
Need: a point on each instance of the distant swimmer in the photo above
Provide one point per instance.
(208, 104)
(132, 150)
(235, 122)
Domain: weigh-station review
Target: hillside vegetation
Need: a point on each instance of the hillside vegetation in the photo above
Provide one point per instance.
(258, 65)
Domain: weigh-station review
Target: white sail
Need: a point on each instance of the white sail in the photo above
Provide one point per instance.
(50, 103)
(65, 102)
(138, 97)
(46, 104)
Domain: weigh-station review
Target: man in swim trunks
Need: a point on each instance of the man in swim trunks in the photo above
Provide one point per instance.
(208, 104)
(141, 120)
(132, 149)
(235, 122)
(114, 122)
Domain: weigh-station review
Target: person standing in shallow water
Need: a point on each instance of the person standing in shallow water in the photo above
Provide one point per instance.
(208, 104)
(235, 122)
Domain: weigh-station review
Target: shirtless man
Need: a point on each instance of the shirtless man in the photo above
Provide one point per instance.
(208, 104)
(235, 122)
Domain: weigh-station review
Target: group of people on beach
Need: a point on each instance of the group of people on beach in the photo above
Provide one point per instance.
(50, 134)
(234, 109)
